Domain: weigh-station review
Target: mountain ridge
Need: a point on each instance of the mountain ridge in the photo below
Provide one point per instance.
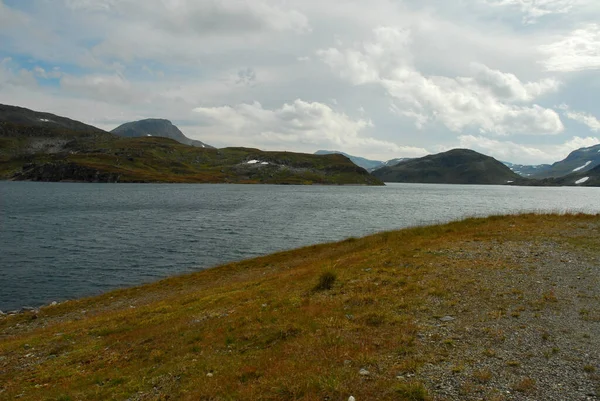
(156, 127)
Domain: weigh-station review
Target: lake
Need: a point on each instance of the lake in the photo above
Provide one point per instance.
(61, 241)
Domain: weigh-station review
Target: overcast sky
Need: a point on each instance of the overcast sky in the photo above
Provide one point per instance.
(515, 79)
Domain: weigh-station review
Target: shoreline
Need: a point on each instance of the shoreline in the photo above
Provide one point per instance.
(483, 308)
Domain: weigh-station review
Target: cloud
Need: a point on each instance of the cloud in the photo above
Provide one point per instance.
(584, 118)
(533, 10)
(11, 18)
(523, 154)
(311, 125)
(111, 88)
(91, 5)
(489, 102)
(13, 77)
(577, 51)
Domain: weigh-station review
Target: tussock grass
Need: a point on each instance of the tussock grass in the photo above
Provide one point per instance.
(280, 327)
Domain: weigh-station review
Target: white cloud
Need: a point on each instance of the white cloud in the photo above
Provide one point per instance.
(485, 102)
(524, 154)
(508, 87)
(577, 51)
(112, 88)
(310, 125)
(533, 10)
(91, 5)
(584, 118)
(10, 18)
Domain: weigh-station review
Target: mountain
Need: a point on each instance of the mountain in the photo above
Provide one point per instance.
(38, 146)
(587, 178)
(367, 164)
(528, 171)
(156, 127)
(457, 166)
(44, 121)
(580, 160)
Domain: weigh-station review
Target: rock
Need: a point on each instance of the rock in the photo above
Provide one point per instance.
(2, 313)
(54, 303)
(446, 319)
(364, 372)
(351, 398)
(27, 309)
(209, 374)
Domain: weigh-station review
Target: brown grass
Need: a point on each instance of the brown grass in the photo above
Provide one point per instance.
(257, 330)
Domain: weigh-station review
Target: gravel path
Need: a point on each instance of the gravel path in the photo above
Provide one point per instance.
(532, 335)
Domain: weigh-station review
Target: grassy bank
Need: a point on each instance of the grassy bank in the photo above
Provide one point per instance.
(493, 308)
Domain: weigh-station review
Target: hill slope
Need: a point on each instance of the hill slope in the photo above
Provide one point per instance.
(45, 121)
(457, 166)
(65, 150)
(156, 127)
(504, 308)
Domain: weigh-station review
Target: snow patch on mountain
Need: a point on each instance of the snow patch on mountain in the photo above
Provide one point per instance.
(582, 167)
(581, 181)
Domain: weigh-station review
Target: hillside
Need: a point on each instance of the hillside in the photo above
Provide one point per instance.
(578, 161)
(66, 150)
(156, 127)
(457, 166)
(503, 308)
(587, 178)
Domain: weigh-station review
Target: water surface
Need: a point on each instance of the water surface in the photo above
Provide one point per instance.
(65, 240)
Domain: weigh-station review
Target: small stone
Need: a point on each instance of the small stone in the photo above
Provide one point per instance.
(347, 362)
(54, 303)
(209, 374)
(351, 398)
(364, 372)
(350, 317)
(446, 319)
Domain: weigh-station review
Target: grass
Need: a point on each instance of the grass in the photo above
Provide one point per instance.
(279, 327)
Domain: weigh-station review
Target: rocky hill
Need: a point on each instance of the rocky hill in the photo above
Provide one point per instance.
(44, 147)
(457, 166)
(156, 127)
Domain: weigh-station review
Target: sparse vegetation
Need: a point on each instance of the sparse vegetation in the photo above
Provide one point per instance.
(326, 281)
(412, 391)
(258, 330)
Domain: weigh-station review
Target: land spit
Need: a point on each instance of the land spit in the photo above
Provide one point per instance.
(499, 308)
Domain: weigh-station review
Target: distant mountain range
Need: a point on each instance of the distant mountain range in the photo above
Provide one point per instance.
(156, 127)
(45, 147)
(580, 160)
(39, 146)
(457, 166)
(367, 164)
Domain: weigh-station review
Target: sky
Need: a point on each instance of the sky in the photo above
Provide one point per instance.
(518, 80)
